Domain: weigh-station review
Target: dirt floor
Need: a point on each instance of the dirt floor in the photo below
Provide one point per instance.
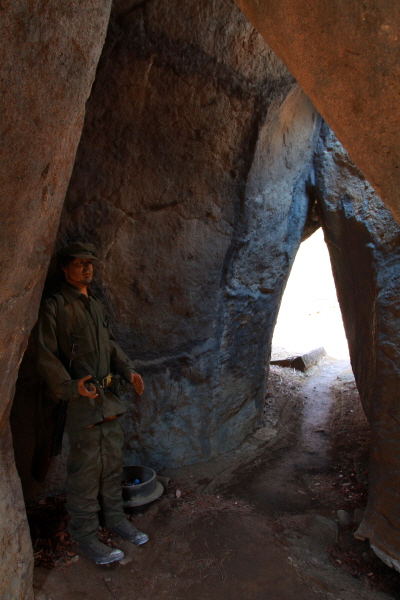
(261, 523)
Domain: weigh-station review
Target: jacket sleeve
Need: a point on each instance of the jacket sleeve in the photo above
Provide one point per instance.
(49, 365)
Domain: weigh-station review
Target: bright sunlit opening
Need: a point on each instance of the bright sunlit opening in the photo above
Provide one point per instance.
(310, 316)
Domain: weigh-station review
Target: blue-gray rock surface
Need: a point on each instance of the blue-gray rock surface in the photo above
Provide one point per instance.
(190, 178)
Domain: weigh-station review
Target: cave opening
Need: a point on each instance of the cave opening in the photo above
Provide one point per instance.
(316, 415)
(310, 320)
(309, 315)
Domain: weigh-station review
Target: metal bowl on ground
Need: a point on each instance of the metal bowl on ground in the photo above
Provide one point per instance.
(146, 491)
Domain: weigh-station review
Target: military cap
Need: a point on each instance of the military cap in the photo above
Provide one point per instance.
(78, 250)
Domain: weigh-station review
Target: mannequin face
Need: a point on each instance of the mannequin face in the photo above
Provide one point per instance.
(79, 272)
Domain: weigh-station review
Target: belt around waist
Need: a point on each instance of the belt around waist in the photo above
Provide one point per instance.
(106, 382)
(105, 420)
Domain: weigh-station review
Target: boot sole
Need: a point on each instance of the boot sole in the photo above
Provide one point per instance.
(107, 560)
(143, 541)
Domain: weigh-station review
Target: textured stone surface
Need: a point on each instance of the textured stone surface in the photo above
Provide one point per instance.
(346, 57)
(48, 55)
(190, 178)
(323, 530)
(363, 241)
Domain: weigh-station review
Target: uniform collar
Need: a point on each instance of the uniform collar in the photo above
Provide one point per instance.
(70, 293)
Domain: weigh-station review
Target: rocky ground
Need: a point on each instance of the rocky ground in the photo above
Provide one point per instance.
(274, 519)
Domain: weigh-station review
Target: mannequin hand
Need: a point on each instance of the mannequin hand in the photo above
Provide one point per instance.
(90, 391)
(137, 383)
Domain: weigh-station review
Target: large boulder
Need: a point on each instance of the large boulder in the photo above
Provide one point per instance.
(346, 57)
(363, 242)
(48, 56)
(190, 179)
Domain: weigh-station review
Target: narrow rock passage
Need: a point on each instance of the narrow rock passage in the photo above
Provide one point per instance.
(318, 401)
(279, 484)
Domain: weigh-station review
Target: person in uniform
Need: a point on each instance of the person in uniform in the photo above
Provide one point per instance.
(88, 374)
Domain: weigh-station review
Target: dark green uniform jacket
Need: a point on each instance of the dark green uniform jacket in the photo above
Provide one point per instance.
(96, 353)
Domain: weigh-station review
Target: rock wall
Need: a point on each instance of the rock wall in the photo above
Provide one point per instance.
(364, 246)
(190, 179)
(48, 55)
(346, 57)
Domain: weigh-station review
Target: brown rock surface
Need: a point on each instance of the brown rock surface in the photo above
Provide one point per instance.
(363, 241)
(48, 56)
(190, 178)
(346, 57)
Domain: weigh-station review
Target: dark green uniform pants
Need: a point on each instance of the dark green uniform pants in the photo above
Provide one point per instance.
(94, 479)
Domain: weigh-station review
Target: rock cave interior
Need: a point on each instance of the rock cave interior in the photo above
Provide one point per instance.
(192, 147)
